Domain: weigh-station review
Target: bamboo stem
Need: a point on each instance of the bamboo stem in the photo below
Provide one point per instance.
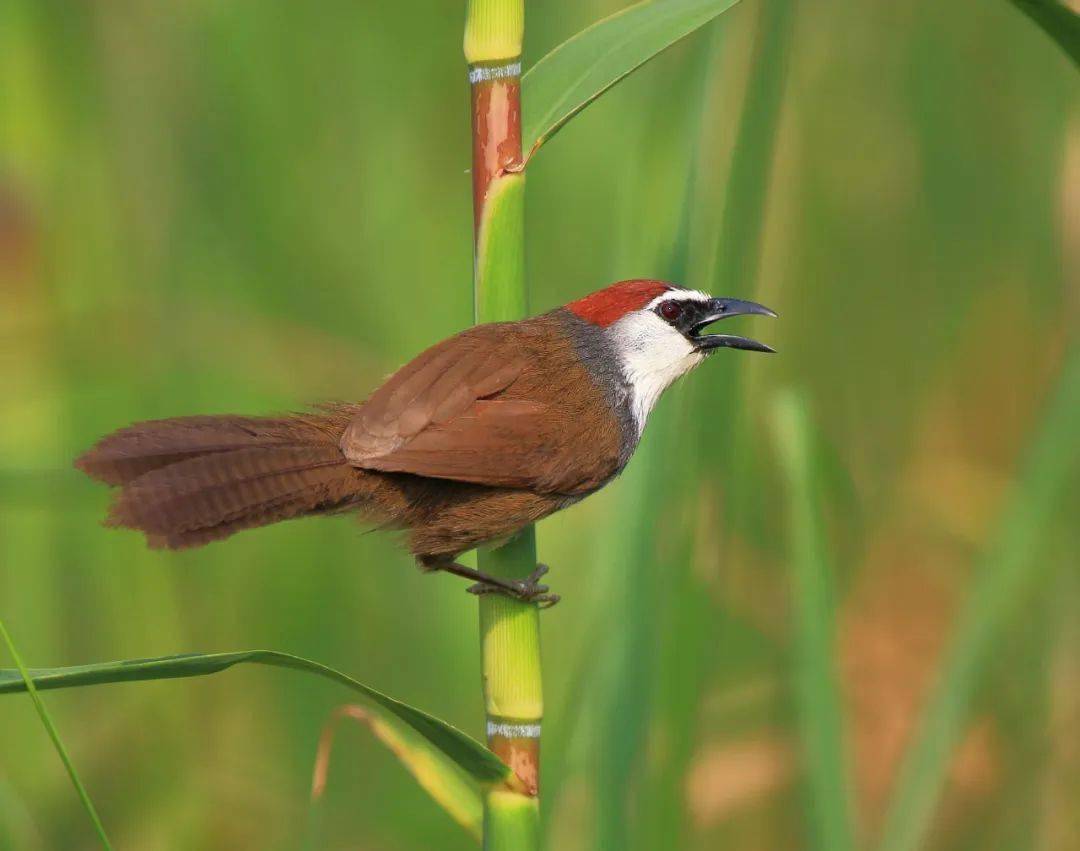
(509, 629)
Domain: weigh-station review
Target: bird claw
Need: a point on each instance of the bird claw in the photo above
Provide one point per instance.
(528, 590)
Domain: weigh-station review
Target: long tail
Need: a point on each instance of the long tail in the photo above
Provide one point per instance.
(188, 481)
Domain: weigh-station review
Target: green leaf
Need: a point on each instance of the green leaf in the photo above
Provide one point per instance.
(1010, 568)
(581, 69)
(475, 760)
(817, 690)
(437, 775)
(1058, 21)
(25, 679)
(746, 190)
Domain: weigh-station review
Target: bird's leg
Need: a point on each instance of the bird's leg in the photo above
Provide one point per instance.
(528, 590)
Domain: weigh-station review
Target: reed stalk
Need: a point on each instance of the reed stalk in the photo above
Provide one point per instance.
(509, 629)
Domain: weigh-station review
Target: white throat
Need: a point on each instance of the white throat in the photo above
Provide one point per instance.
(652, 355)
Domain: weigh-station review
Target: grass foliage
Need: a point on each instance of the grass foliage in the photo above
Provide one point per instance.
(26, 679)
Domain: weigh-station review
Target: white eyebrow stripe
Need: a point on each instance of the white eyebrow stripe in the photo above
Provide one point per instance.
(678, 295)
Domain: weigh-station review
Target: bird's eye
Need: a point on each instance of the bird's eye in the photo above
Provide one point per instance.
(670, 310)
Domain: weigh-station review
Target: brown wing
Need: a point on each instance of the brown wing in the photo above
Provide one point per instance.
(470, 409)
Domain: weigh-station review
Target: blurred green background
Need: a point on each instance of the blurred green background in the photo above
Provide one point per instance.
(248, 206)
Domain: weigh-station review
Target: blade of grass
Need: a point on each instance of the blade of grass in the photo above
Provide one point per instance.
(1058, 21)
(472, 757)
(626, 703)
(738, 250)
(816, 683)
(608, 704)
(50, 727)
(735, 257)
(439, 777)
(698, 624)
(653, 686)
(583, 67)
(1008, 569)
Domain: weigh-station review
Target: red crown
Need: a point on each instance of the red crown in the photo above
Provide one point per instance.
(612, 303)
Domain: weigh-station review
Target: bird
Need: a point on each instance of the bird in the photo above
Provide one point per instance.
(492, 429)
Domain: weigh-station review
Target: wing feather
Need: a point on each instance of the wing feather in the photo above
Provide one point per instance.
(469, 409)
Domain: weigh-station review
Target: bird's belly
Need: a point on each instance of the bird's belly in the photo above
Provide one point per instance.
(452, 517)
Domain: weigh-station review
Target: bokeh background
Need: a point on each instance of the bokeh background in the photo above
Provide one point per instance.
(251, 206)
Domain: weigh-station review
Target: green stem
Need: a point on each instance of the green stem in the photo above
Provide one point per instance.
(511, 821)
(509, 629)
(510, 638)
(46, 720)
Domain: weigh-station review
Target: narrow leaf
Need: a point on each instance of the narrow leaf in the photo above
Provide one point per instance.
(25, 679)
(1010, 567)
(581, 69)
(816, 684)
(432, 770)
(1058, 21)
(746, 191)
(475, 760)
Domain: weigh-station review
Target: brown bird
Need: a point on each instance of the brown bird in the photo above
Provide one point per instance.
(480, 435)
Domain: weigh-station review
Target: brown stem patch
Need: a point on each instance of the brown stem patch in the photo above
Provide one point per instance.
(522, 754)
(496, 126)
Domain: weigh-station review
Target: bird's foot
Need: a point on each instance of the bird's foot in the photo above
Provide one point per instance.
(528, 590)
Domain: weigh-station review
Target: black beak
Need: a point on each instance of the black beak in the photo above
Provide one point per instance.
(722, 308)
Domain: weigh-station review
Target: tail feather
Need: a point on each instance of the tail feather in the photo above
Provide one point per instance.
(189, 481)
(131, 452)
(214, 489)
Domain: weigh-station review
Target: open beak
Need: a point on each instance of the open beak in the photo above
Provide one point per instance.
(722, 308)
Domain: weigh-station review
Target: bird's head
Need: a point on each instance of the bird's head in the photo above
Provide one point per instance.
(656, 330)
